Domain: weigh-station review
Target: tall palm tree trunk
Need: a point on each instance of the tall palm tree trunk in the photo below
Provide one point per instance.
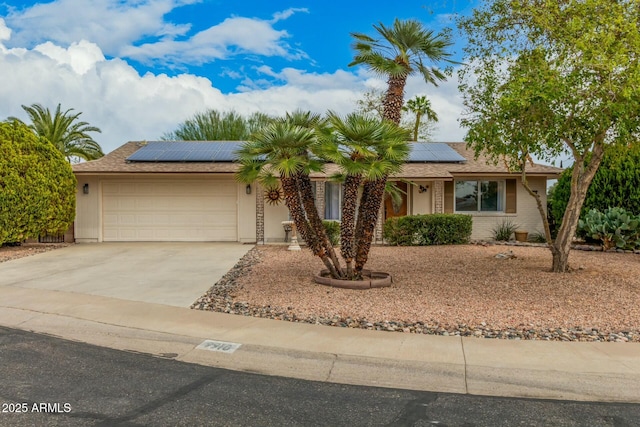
(306, 193)
(294, 203)
(394, 99)
(373, 191)
(367, 218)
(348, 222)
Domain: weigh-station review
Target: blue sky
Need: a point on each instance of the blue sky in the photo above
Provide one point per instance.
(137, 68)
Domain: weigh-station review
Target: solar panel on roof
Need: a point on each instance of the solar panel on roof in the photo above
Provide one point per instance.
(433, 152)
(145, 156)
(225, 151)
(186, 151)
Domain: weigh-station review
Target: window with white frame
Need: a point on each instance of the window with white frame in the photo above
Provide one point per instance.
(479, 196)
(332, 200)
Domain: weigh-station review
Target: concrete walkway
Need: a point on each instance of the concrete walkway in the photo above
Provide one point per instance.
(556, 370)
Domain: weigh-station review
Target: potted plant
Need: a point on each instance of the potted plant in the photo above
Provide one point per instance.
(521, 235)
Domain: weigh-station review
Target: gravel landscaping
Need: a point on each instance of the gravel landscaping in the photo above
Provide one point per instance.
(446, 290)
(8, 253)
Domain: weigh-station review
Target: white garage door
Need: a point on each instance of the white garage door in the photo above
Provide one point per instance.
(169, 210)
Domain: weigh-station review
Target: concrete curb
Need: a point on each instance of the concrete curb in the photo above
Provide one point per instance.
(552, 370)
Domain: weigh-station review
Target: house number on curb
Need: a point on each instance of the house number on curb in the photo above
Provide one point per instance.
(225, 347)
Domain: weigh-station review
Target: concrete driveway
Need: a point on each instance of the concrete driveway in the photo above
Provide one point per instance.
(164, 273)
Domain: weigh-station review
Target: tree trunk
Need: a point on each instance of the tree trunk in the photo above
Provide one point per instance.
(348, 221)
(373, 191)
(416, 128)
(580, 180)
(293, 201)
(308, 200)
(367, 219)
(394, 99)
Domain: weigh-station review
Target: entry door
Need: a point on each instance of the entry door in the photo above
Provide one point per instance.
(391, 211)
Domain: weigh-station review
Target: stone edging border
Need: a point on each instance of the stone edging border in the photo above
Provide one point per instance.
(378, 279)
(576, 246)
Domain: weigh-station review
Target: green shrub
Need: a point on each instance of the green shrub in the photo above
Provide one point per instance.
(423, 230)
(614, 228)
(616, 183)
(502, 232)
(333, 231)
(37, 186)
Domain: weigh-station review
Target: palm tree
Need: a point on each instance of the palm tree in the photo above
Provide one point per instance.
(283, 151)
(403, 50)
(365, 148)
(420, 106)
(63, 130)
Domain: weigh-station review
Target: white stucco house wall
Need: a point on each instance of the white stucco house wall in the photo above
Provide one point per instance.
(164, 199)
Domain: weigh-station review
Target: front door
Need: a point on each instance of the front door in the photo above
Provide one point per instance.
(390, 210)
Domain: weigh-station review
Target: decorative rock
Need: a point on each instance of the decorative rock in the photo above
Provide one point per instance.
(219, 299)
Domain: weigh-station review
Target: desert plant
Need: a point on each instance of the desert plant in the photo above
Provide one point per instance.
(333, 231)
(537, 237)
(614, 228)
(502, 232)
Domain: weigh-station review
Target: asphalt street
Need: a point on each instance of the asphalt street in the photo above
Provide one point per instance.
(46, 381)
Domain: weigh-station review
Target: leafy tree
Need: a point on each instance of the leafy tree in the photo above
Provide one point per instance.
(37, 185)
(549, 77)
(64, 131)
(616, 184)
(406, 48)
(420, 106)
(213, 125)
(371, 104)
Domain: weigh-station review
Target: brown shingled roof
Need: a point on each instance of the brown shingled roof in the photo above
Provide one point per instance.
(115, 163)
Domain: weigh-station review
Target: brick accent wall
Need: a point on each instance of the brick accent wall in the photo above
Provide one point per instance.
(259, 215)
(320, 197)
(438, 194)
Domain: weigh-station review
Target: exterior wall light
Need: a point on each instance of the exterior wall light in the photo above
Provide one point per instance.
(85, 188)
(248, 189)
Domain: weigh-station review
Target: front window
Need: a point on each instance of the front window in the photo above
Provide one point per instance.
(479, 196)
(332, 200)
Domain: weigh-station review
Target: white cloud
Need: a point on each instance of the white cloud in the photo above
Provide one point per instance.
(81, 56)
(111, 24)
(5, 32)
(113, 96)
(231, 37)
(119, 26)
(285, 14)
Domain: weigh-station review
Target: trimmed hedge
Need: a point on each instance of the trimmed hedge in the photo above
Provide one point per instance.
(37, 186)
(424, 230)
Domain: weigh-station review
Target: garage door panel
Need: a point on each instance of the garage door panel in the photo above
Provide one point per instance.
(170, 210)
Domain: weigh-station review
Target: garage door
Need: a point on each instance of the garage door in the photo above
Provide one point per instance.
(169, 210)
